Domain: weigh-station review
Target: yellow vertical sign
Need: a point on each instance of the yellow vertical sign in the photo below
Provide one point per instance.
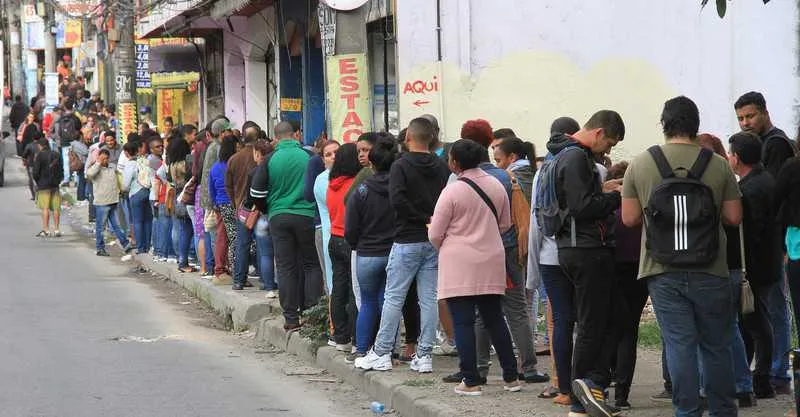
(348, 97)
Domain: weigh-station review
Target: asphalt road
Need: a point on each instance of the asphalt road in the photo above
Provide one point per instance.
(80, 336)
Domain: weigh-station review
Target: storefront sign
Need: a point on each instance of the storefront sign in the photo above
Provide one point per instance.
(123, 84)
(291, 104)
(73, 33)
(51, 88)
(35, 35)
(348, 98)
(143, 65)
(126, 120)
(29, 10)
(327, 28)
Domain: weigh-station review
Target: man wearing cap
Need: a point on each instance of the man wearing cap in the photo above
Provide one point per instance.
(221, 275)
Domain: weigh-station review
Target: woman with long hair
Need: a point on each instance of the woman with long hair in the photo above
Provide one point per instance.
(27, 133)
(219, 195)
(328, 153)
(369, 229)
(343, 308)
(178, 174)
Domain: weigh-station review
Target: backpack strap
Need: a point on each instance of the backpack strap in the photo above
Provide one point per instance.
(663, 165)
(701, 163)
(482, 194)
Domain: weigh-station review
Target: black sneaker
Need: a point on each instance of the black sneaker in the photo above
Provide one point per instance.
(238, 287)
(534, 378)
(102, 252)
(746, 399)
(247, 284)
(592, 397)
(662, 397)
(622, 404)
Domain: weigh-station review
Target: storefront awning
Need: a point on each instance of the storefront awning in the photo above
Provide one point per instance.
(227, 8)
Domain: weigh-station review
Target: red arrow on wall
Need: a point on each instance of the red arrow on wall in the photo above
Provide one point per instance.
(420, 103)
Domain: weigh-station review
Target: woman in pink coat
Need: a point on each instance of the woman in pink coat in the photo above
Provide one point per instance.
(465, 229)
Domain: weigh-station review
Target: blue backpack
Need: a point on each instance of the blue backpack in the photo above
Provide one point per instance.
(550, 217)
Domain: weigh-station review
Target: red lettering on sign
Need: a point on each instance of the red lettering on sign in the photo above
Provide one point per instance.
(351, 135)
(352, 119)
(347, 66)
(421, 86)
(349, 83)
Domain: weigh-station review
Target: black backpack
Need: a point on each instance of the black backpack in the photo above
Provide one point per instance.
(67, 129)
(681, 217)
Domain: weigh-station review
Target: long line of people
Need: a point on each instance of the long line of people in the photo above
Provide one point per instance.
(433, 236)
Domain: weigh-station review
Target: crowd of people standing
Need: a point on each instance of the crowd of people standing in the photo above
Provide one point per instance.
(412, 236)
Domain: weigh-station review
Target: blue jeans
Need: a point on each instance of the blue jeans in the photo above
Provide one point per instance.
(409, 262)
(562, 302)
(210, 251)
(371, 273)
(185, 230)
(166, 248)
(695, 312)
(244, 238)
(266, 254)
(781, 328)
(125, 215)
(65, 162)
(142, 215)
(108, 214)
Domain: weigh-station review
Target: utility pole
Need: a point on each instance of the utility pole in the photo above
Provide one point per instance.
(15, 68)
(125, 69)
(49, 38)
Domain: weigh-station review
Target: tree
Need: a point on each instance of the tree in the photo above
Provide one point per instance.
(722, 6)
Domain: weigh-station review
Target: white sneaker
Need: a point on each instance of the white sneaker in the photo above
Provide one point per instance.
(422, 365)
(374, 361)
(172, 260)
(271, 294)
(126, 258)
(445, 348)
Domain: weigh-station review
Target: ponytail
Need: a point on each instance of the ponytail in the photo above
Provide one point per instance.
(516, 146)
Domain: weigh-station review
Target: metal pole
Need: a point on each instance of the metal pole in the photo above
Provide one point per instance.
(125, 69)
(15, 66)
(49, 39)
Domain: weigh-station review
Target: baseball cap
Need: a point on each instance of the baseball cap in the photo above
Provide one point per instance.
(219, 126)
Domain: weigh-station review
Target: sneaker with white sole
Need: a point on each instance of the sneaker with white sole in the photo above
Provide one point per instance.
(513, 386)
(374, 361)
(445, 348)
(423, 364)
(463, 390)
(592, 397)
(271, 294)
(126, 258)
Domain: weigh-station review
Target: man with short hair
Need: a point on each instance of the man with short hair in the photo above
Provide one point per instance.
(763, 248)
(585, 240)
(47, 174)
(416, 180)
(277, 190)
(189, 133)
(237, 176)
(687, 271)
(753, 116)
(501, 134)
(106, 197)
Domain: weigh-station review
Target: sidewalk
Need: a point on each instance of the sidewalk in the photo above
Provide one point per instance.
(408, 393)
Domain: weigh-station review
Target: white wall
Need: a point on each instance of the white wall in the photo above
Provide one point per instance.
(522, 63)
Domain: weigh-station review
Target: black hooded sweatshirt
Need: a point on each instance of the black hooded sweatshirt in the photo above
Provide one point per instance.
(369, 222)
(580, 191)
(415, 182)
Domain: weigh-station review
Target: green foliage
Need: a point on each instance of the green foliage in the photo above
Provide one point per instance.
(649, 334)
(316, 324)
(722, 6)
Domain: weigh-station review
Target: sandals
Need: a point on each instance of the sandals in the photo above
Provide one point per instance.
(549, 393)
(43, 233)
(57, 233)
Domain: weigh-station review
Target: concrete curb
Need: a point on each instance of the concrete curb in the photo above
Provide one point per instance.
(240, 310)
(384, 387)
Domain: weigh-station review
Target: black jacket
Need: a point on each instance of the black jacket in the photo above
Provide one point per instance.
(776, 149)
(762, 234)
(415, 182)
(787, 193)
(63, 124)
(580, 192)
(369, 222)
(18, 113)
(47, 170)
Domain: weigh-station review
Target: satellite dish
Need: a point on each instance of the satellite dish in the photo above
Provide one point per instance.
(344, 4)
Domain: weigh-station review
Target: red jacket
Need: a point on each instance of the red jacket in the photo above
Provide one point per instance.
(337, 189)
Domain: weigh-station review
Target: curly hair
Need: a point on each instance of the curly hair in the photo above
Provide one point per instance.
(478, 130)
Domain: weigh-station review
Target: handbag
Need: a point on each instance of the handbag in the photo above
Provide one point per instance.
(248, 217)
(748, 300)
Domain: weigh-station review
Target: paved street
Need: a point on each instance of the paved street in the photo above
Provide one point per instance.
(82, 337)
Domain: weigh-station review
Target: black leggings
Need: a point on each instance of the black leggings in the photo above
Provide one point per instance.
(411, 314)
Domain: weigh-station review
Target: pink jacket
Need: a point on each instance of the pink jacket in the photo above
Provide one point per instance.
(467, 236)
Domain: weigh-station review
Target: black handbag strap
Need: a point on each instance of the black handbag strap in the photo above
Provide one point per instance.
(482, 194)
